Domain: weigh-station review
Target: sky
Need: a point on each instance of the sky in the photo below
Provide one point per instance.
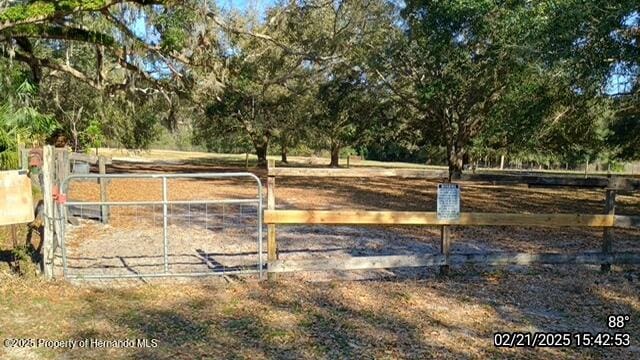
(244, 5)
(622, 74)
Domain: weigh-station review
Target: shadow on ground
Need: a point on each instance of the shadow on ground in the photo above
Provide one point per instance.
(435, 317)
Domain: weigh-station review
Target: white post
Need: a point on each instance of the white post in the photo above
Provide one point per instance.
(501, 162)
(586, 168)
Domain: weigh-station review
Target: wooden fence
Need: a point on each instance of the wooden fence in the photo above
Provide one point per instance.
(607, 221)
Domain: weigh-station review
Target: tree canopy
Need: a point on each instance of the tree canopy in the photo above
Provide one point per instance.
(552, 81)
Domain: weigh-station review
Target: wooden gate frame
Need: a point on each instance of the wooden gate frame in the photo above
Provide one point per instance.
(607, 221)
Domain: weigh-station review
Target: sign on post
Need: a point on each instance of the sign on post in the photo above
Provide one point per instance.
(16, 200)
(448, 201)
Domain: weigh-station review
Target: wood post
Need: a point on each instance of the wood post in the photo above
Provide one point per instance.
(586, 168)
(66, 164)
(445, 245)
(272, 245)
(62, 165)
(246, 160)
(607, 236)
(104, 209)
(348, 157)
(24, 157)
(61, 171)
(47, 187)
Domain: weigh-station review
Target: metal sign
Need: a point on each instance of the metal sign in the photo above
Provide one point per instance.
(16, 200)
(448, 201)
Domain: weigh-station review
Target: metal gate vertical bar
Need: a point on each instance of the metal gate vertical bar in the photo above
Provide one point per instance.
(165, 230)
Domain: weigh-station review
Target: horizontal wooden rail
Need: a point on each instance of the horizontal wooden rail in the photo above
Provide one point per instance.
(617, 182)
(359, 172)
(91, 159)
(337, 217)
(627, 222)
(357, 263)
(495, 258)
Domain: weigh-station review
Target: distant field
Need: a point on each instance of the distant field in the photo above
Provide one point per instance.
(203, 158)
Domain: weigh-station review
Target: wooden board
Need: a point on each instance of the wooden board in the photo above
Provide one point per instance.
(357, 263)
(359, 172)
(507, 258)
(16, 200)
(91, 159)
(329, 217)
(495, 258)
(627, 222)
(272, 243)
(601, 182)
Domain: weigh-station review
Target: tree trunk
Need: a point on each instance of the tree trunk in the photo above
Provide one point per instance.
(456, 162)
(261, 152)
(283, 155)
(335, 155)
(172, 120)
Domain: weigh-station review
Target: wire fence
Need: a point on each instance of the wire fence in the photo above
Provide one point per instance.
(161, 236)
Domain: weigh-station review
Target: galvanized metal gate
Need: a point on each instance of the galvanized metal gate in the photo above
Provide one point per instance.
(202, 214)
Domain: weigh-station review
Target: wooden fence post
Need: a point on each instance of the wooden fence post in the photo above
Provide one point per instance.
(104, 209)
(348, 158)
(47, 242)
(445, 245)
(24, 157)
(66, 164)
(586, 168)
(607, 236)
(272, 245)
(61, 161)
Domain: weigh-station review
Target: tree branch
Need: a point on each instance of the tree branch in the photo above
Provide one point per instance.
(40, 11)
(154, 49)
(402, 96)
(45, 31)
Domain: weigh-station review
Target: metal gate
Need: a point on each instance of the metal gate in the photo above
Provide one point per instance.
(153, 219)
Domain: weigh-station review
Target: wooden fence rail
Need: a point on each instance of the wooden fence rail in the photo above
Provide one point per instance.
(493, 259)
(359, 217)
(607, 221)
(614, 182)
